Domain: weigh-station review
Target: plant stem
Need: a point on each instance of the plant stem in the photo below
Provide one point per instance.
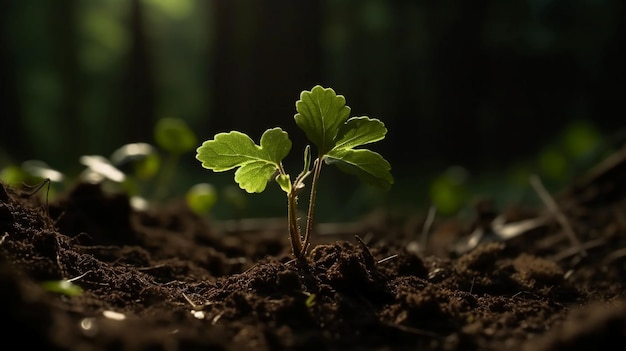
(309, 216)
(164, 180)
(294, 231)
(292, 218)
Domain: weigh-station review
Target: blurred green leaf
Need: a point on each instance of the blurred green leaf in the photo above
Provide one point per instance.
(12, 175)
(448, 192)
(148, 167)
(553, 163)
(174, 135)
(201, 198)
(64, 287)
(580, 139)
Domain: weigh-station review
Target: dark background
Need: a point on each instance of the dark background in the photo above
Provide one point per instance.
(476, 95)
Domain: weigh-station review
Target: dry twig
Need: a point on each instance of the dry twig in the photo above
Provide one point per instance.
(552, 206)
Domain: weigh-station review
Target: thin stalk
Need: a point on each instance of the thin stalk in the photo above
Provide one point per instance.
(166, 177)
(309, 217)
(294, 230)
(292, 218)
(552, 206)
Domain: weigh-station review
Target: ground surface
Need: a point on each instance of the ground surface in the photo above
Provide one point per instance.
(550, 278)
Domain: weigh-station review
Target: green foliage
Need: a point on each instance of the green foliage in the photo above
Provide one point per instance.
(448, 191)
(174, 135)
(145, 172)
(576, 148)
(143, 158)
(12, 174)
(310, 300)
(63, 287)
(31, 174)
(580, 138)
(320, 114)
(201, 198)
(257, 163)
(552, 163)
(323, 116)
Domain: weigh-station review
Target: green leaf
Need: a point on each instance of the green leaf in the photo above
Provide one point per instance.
(201, 198)
(257, 163)
(359, 131)
(174, 135)
(320, 114)
(368, 165)
(64, 287)
(284, 182)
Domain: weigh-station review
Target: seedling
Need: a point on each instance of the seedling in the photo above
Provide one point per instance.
(33, 174)
(175, 137)
(132, 166)
(323, 116)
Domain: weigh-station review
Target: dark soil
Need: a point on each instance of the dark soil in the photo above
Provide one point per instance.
(166, 279)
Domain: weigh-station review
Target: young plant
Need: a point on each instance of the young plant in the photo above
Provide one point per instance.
(324, 118)
(175, 137)
(146, 172)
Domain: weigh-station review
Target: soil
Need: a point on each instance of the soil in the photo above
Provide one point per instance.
(545, 278)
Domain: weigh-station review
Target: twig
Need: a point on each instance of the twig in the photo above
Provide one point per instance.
(79, 277)
(511, 230)
(193, 304)
(556, 211)
(574, 250)
(387, 258)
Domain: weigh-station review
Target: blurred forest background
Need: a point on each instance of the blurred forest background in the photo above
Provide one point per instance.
(477, 95)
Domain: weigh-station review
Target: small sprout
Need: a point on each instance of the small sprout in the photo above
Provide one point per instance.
(131, 166)
(175, 137)
(324, 117)
(201, 198)
(142, 157)
(131, 152)
(140, 163)
(41, 170)
(100, 168)
(105, 171)
(310, 300)
(63, 287)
